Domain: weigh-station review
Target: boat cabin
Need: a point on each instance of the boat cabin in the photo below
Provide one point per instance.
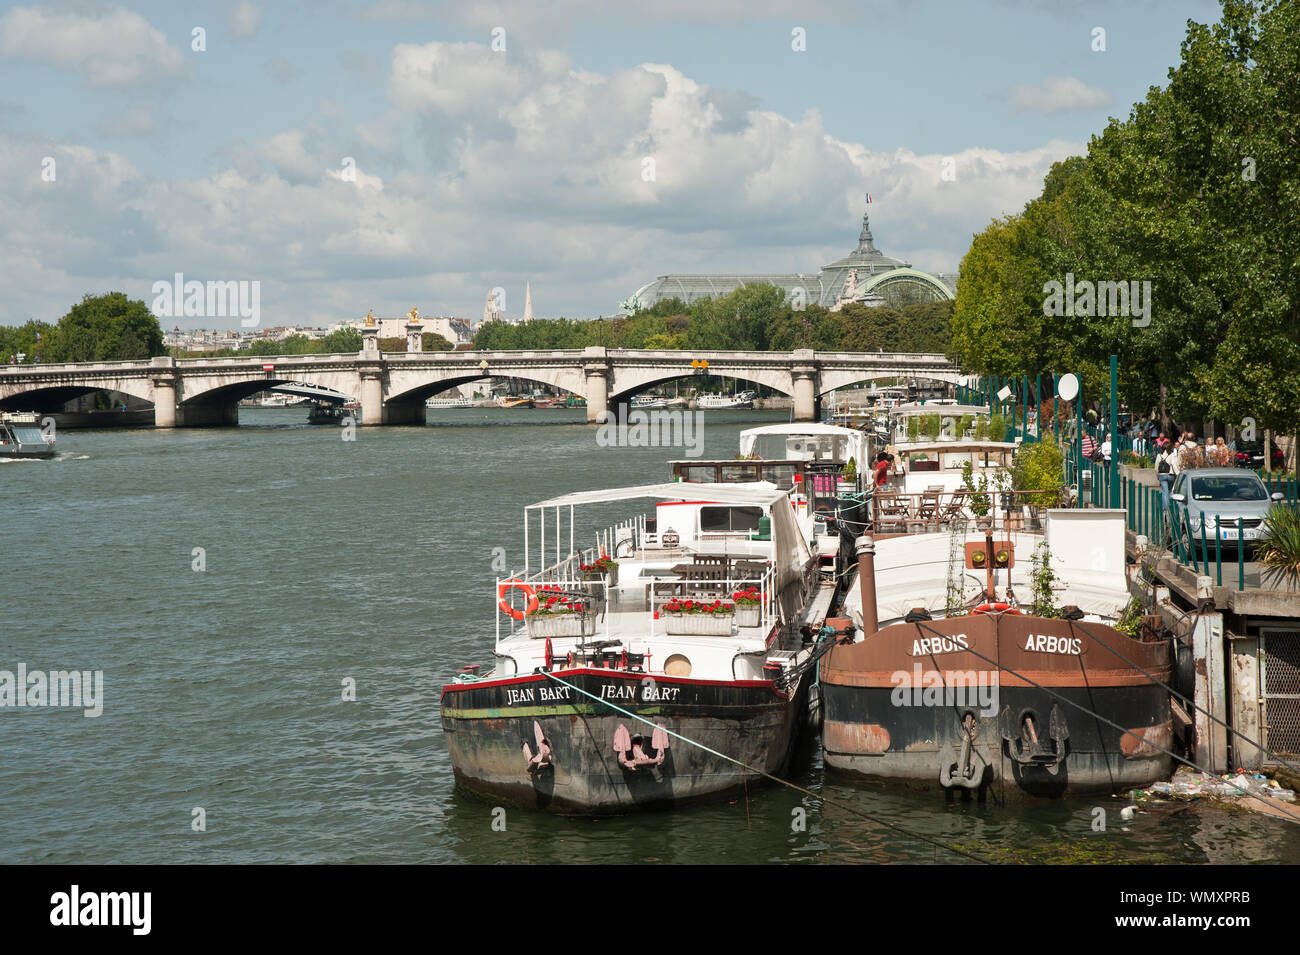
(21, 436)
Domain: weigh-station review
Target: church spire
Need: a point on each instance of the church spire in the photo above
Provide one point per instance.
(865, 245)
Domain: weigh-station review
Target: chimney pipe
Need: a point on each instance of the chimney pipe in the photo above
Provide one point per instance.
(866, 551)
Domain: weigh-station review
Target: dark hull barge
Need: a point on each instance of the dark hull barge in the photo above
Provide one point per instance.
(600, 759)
(983, 703)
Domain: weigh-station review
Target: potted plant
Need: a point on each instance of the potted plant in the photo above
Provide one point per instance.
(848, 478)
(559, 614)
(978, 500)
(698, 618)
(1278, 548)
(1038, 469)
(748, 610)
(603, 569)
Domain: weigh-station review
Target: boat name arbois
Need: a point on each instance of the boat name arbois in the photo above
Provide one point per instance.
(927, 645)
(1043, 643)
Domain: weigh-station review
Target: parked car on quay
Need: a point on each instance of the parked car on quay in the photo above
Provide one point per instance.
(1221, 496)
(1250, 454)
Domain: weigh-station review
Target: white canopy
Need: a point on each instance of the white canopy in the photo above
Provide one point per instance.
(788, 545)
(758, 492)
(833, 440)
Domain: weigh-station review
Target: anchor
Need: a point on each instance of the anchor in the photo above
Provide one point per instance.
(964, 773)
(543, 759)
(631, 750)
(1024, 744)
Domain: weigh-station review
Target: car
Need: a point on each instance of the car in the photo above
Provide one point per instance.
(1221, 496)
(1250, 454)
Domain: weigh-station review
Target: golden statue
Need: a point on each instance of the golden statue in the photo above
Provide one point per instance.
(413, 313)
(370, 318)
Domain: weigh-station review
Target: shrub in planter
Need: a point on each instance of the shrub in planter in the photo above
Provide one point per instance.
(698, 617)
(748, 610)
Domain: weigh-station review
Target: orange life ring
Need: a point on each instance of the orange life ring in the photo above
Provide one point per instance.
(995, 608)
(504, 605)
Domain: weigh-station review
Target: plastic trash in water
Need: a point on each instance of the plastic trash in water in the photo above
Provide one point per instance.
(1127, 813)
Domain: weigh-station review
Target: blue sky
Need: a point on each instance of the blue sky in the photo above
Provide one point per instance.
(479, 168)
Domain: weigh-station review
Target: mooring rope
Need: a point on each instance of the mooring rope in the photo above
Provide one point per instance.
(776, 779)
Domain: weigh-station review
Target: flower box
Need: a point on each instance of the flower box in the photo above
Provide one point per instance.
(698, 624)
(748, 615)
(561, 625)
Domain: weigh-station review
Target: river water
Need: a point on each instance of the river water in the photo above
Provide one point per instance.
(325, 561)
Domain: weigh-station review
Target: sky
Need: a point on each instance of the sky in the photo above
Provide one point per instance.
(397, 153)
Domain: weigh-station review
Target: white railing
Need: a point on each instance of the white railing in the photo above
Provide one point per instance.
(638, 592)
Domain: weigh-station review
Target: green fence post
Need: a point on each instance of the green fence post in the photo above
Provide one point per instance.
(1241, 555)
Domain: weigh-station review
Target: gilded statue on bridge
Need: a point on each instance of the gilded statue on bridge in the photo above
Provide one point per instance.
(370, 318)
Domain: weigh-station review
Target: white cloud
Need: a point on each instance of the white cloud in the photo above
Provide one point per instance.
(245, 18)
(486, 171)
(1057, 94)
(110, 48)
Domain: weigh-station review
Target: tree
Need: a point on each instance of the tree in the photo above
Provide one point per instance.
(106, 327)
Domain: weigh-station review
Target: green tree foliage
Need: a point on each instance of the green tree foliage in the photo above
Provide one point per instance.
(107, 327)
(1196, 193)
(752, 318)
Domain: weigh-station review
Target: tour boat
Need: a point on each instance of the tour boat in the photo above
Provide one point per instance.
(742, 399)
(679, 671)
(458, 402)
(954, 684)
(326, 412)
(21, 436)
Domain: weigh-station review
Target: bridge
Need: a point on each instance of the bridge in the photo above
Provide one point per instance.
(392, 386)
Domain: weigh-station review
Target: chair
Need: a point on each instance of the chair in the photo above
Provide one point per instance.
(892, 511)
(954, 509)
(928, 506)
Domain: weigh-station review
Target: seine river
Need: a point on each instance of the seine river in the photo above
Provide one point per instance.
(325, 561)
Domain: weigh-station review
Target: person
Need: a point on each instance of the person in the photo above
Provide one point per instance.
(1105, 454)
(1165, 462)
(1189, 454)
(882, 469)
(1218, 454)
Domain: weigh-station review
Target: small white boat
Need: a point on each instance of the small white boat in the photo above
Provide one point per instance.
(741, 399)
(448, 403)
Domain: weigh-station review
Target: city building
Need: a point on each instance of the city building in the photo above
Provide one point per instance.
(866, 275)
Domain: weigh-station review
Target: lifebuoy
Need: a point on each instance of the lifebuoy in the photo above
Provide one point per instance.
(995, 608)
(504, 587)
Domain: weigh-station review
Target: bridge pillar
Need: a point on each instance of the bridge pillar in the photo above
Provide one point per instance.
(208, 415)
(164, 394)
(372, 395)
(804, 374)
(595, 365)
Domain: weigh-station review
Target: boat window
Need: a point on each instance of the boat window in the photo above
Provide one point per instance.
(701, 473)
(782, 475)
(739, 473)
(28, 435)
(724, 519)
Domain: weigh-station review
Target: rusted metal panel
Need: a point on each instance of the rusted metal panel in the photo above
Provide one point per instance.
(1245, 701)
(854, 737)
(1151, 737)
